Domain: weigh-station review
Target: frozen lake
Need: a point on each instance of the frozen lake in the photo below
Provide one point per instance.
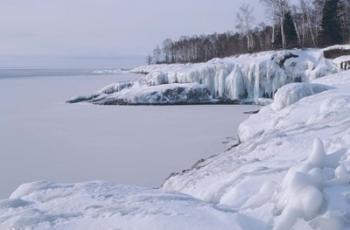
(43, 138)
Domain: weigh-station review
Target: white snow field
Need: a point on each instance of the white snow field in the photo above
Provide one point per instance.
(43, 138)
(243, 78)
(291, 171)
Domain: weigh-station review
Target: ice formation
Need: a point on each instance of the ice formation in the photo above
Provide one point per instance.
(243, 78)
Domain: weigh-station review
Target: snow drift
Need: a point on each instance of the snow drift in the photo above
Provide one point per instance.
(100, 205)
(244, 78)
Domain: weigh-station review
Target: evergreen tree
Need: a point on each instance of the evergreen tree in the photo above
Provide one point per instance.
(290, 31)
(331, 31)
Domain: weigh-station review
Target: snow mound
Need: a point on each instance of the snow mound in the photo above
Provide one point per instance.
(244, 78)
(304, 192)
(293, 92)
(100, 205)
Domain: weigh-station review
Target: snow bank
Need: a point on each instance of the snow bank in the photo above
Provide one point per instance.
(275, 175)
(100, 205)
(246, 77)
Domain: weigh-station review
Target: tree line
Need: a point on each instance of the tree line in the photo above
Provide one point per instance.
(310, 23)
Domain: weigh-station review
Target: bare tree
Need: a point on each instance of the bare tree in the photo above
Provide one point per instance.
(277, 10)
(167, 51)
(157, 55)
(245, 20)
(305, 23)
(291, 26)
(149, 60)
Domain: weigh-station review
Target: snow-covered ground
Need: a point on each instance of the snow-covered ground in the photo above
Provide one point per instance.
(43, 138)
(292, 167)
(243, 78)
(291, 171)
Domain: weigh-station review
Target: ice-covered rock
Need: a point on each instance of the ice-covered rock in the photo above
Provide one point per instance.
(187, 93)
(246, 78)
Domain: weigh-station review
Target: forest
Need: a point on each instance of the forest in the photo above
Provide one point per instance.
(307, 24)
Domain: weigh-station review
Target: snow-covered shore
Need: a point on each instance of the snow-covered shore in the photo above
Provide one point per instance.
(291, 171)
(275, 175)
(239, 79)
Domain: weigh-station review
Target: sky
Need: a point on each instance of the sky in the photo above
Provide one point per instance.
(108, 28)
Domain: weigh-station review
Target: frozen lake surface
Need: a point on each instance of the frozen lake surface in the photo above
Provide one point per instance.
(43, 138)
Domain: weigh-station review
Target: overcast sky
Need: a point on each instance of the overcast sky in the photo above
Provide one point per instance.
(108, 27)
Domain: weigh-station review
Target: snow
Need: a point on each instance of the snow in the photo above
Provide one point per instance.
(337, 47)
(294, 92)
(307, 186)
(101, 205)
(244, 78)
